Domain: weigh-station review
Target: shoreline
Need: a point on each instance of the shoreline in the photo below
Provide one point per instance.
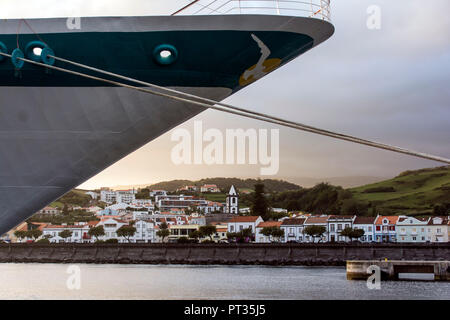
(219, 254)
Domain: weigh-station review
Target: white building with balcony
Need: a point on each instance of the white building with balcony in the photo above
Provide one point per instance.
(79, 233)
(411, 230)
(111, 225)
(335, 226)
(316, 221)
(145, 232)
(367, 224)
(261, 238)
(293, 229)
(438, 229)
(386, 229)
(239, 223)
(119, 196)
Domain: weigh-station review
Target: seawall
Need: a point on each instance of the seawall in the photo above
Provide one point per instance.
(227, 254)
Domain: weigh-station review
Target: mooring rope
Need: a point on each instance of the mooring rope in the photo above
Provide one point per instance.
(208, 103)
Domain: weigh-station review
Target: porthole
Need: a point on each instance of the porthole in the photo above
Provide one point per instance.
(165, 54)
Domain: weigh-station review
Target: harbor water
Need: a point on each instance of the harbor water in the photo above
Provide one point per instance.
(88, 281)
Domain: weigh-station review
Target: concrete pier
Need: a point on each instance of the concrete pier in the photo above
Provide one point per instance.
(399, 269)
(281, 254)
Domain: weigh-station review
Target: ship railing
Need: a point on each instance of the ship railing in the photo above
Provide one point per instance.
(319, 9)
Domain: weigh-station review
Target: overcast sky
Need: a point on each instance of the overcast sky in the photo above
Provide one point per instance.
(390, 85)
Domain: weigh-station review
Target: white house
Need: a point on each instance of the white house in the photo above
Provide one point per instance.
(368, 225)
(79, 233)
(209, 188)
(107, 195)
(94, 209)
(293, 229)
(145, 232)
(278, 210)
(210, 207)
(155, 193)
(143, 203)
(410, 229)
(438, 229)
(244, 210)
(232, 201)
(111, 225)
(385, 228)
(126, 196)
(335, 226)
(94, 195)
(316, 221)
(49, 211)
(239, 223)
(259, 237)
(118, 207)
(119, 196)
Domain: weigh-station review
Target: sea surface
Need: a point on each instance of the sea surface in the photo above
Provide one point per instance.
(87, 281)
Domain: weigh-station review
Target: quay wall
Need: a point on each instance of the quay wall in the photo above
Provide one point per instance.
(226, 254)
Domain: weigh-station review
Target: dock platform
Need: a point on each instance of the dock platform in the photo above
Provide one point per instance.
(399, 269)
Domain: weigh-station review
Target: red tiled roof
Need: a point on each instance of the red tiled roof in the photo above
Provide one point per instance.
(62, 227)
(293, 222)
(445, 221)
(364, 220)
(267, 224)
(335, 217)
(392, 219)
(244, 219)
(311, 220)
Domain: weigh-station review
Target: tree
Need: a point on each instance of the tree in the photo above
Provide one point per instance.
(244, 235)
(96, 232)
(352, 233)
(259, 204)
(65, 210)
(34, 233)
(195, 235)
(164, 231)
(207, 231)
(127, 232)
(315, 231)
(272, 232)
(357, 233)
(347, 232)
(351, 206)
(65, 234)
(278, 233)
(20, 234)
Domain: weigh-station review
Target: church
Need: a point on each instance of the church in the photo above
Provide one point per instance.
(232, 203)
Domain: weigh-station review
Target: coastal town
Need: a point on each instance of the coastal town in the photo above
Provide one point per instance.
(163, 217)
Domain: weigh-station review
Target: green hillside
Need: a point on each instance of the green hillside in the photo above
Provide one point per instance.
(412, 192)
(271, 185)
